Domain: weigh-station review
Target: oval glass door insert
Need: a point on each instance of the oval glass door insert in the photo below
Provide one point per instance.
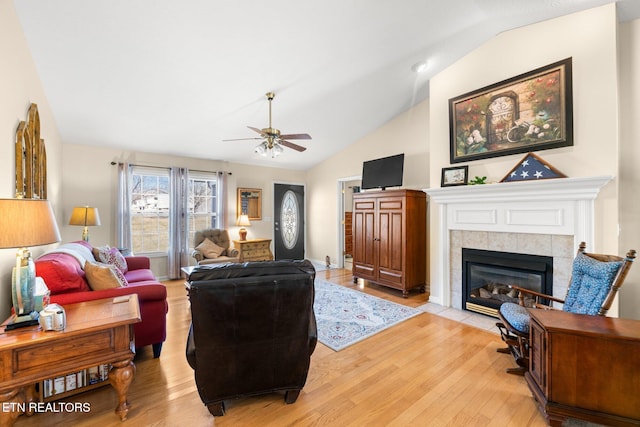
(289, 214)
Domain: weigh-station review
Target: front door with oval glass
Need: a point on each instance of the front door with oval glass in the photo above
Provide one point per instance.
(288, 223)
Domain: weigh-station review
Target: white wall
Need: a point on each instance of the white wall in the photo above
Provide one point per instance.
(19, 87)
(407, 133)
(595, 104)
(629, 55)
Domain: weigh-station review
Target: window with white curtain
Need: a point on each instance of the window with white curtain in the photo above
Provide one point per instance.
(150, 204)
(203, 202)
(150, 190)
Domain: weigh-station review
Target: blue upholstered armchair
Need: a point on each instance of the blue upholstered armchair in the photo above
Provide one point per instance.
(595, 280)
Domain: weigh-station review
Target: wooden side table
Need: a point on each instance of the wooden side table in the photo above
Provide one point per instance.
(253, 250)
(97, 332)
(585, 367)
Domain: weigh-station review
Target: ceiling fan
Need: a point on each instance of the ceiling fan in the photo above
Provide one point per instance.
(273, 140)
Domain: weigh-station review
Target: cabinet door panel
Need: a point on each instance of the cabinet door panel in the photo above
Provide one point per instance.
(392, 247)
(364, 256)
(537, 366)
(391, 244)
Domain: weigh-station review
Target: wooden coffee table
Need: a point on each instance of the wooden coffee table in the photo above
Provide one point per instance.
(97, 332)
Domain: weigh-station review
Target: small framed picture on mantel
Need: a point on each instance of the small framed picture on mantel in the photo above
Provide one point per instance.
(456, 175)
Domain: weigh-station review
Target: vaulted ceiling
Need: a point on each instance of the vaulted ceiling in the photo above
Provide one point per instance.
(179, 76)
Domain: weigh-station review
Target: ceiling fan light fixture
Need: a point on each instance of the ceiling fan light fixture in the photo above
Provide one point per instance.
(276, 150)
(261, 148)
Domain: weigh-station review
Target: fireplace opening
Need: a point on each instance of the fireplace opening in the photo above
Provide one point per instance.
(487, 276)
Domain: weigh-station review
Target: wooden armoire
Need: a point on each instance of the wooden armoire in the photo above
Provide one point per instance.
(390, 238)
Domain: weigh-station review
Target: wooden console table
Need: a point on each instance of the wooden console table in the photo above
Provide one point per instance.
(97, 332)
(585, 367)
(253, 250)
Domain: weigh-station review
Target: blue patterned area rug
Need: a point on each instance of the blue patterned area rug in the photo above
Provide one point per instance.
(345, 316)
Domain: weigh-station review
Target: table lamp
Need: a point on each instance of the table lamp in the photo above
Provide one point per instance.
(85, 216)
(25, 222)
(243, 221)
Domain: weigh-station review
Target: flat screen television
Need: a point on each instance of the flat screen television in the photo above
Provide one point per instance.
(383, 173)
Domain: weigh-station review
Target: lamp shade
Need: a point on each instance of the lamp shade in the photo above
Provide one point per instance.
(243, 221)
(85, 216)
(27, 222)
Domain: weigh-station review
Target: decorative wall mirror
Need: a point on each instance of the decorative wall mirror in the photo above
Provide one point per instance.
(250, 203)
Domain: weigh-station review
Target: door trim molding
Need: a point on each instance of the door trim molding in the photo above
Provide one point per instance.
(340, 214)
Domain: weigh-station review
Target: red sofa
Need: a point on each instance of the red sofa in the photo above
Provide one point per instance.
(64, 275)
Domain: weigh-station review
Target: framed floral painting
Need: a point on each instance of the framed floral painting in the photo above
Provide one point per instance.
(532, 111)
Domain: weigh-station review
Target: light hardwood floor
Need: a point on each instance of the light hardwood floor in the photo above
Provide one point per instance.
(426, 371)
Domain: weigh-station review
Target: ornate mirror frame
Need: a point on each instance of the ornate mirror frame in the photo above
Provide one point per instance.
(250, 203)
(31, 158)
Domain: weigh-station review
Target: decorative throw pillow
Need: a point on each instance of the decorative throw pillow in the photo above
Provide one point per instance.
(61, 272)
(210, 249)
(112, 256)
(103, 276)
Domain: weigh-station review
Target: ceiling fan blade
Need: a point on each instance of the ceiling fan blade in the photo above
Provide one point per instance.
(291, 145)
(239, 139)
(255, 129)
(296, 136)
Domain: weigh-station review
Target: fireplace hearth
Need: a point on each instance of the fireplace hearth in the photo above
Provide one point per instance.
(487, 276)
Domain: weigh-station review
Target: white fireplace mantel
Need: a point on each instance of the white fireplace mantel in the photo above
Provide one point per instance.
(532, 190)
(563, 206)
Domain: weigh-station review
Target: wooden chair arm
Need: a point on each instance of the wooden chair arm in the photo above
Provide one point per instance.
(535, 294)
(545, 307)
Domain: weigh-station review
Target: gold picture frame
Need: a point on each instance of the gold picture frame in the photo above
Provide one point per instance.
(250, 203)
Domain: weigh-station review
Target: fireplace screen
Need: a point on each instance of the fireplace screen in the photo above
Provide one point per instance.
(487, 277)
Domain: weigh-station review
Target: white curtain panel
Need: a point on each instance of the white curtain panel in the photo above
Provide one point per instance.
(123, 217)
(223, 204)
(178, 218)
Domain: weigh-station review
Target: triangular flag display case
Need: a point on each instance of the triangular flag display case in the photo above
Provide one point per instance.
(532, 167)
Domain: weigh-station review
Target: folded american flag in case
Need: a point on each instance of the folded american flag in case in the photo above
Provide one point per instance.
(532, 167)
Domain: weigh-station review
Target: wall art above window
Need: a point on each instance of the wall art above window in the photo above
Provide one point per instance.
(532, 111)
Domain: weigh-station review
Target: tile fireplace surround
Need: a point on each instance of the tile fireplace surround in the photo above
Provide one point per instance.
(547, 217)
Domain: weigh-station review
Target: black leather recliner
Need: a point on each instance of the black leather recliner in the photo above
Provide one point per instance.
(253, 329)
